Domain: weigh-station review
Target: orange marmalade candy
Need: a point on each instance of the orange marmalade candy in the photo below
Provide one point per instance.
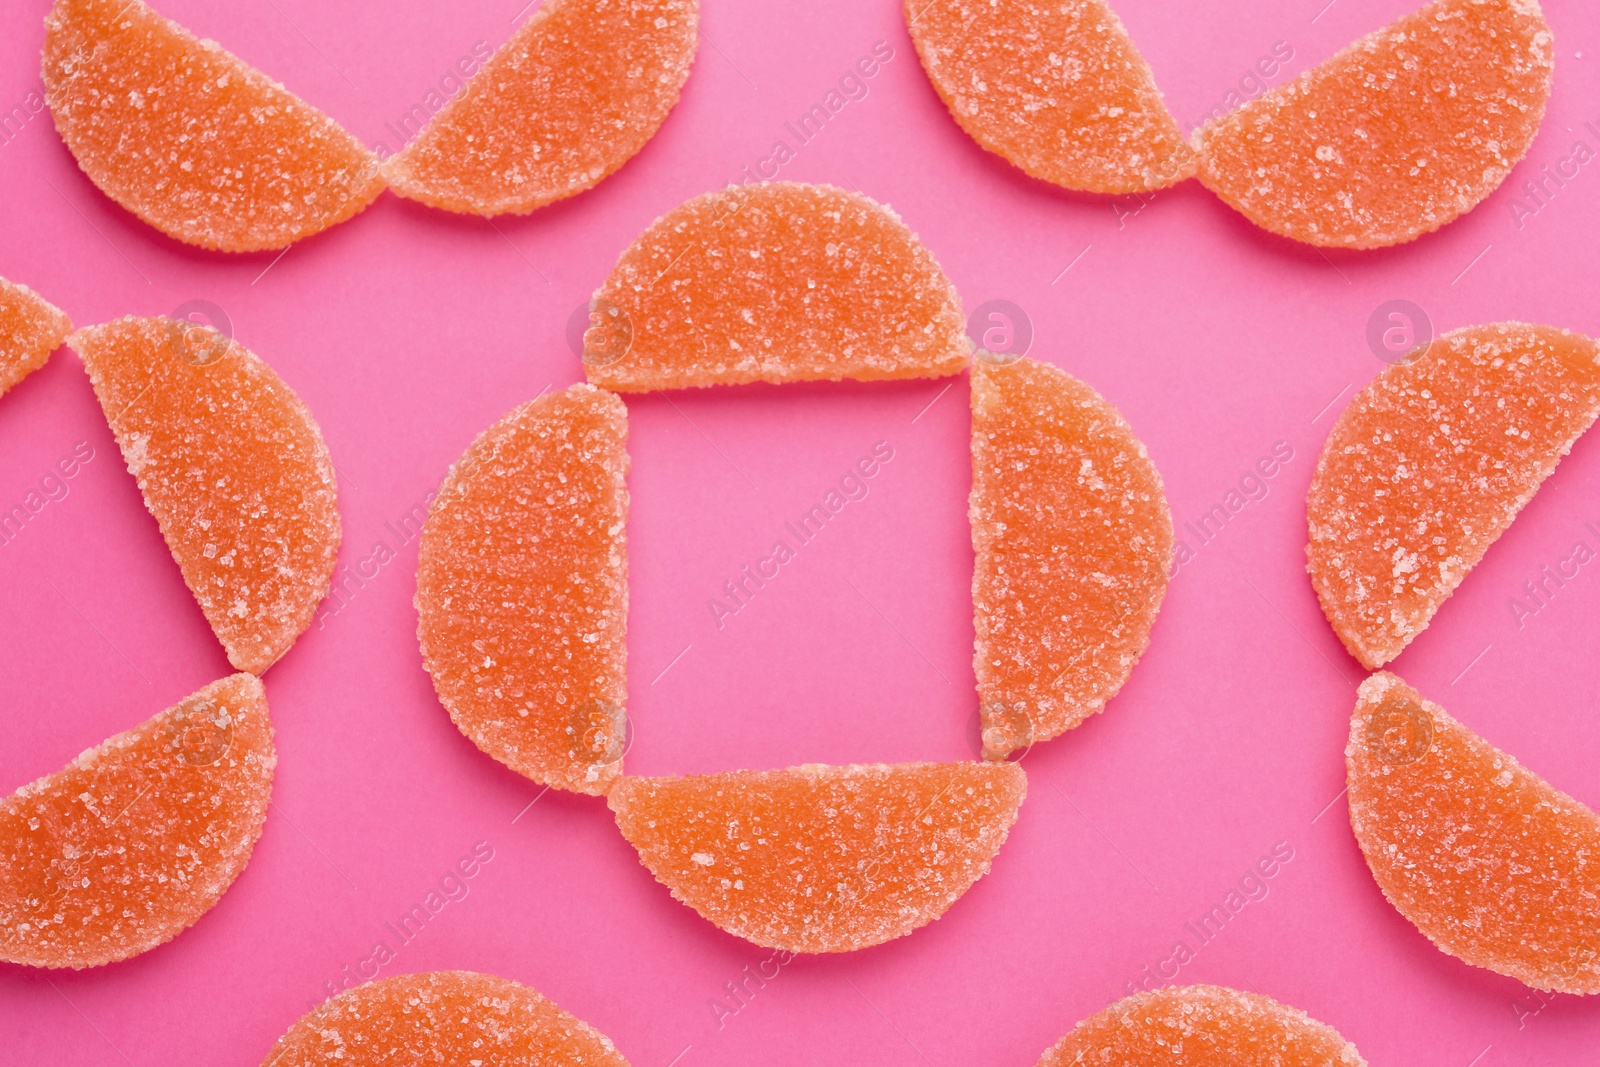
(1395, 136)
(1492, 863)
(192, 140)
(773, 282)
(1073, 542)
(453, 1018)
(234, 469)
(522, 590)
(817, 858)
(30, 329)
(1202, 1026)
(572, 96)
(1056, 88)
(133, 841)
(1430, 463)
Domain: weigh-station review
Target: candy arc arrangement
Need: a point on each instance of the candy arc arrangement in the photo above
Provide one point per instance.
(1396, 136)
(522, 578)
(522, 581)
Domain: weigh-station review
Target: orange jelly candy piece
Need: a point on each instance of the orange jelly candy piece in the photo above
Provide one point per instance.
(1430, 463)
(1202, 1026)
(133, 841)
(234, 469)
(1056, 88)
(1397, 135)
(817, 858)
(522, 590)
(194, 141)
(1073, 540)
(451, 1018)
(1492, 863)
(30, 329)
(573, 95)
(774, 282)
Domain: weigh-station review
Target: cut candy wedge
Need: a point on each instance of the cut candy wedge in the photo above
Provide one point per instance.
(522, 590)
(1492, 863)
(133, 841)
(822, 859)
(234, 469)
(198, 144)
(573, 95)
(1073, 541)
(450, 1018)
(1056, 88)
(774, 282)
(1430, 463)
(1395, 136)
(1202, 1026)
(30, 329)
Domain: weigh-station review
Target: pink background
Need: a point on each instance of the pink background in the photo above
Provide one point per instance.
(408, 331)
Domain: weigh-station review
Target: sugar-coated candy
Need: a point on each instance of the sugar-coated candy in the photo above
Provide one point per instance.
(522, 590)
(818, 858)
(1057, 88)
(449, 1018)
(773, 282)
(1397, 135)
(1073, 541)
(137, 838)
(234, 469)
(1492, 863)
(1430, 463)
(30, 329)
(1201, 1026)
(191, 139)
(574, 94)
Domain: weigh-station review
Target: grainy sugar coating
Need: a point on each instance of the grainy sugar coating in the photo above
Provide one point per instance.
(1395, 136)
(1430, 463)
(198, 144)
(522, 590)
(1202, 1026)
(1492, 863)
(1056, 88)
(30, 329)
(573, 95)
(448, 1018)
(774, 282)
(817, 858)
(133, 841)
(1073, 541)
(234, 469)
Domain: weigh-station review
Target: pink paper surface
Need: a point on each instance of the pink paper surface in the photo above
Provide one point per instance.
(408, 331)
